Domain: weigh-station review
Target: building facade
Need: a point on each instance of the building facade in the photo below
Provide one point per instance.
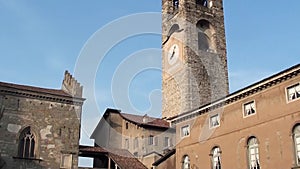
(255, 128)
(145, 137)
(40, 128)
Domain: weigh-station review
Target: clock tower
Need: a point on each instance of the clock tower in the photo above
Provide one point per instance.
(194, 61)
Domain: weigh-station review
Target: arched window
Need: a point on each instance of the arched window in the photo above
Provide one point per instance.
(253, 153)
(296, 134)
(27, 143)
(216, 158)
(175, 4)
(202, 2)
(186, 162)
(205, 36)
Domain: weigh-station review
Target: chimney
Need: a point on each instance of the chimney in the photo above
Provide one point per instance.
(145, 118)
(71, 86)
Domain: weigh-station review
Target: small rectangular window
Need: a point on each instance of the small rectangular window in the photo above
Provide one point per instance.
(150, 140)
(214, 121)
(126, 144)
(185, 131)
(66, 161)
(293, 92)
(167, 142)
(156, 141)
(126, 125)
(249, 108)
(136, 143)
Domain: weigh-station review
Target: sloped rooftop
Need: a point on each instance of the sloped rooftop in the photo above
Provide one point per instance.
(123, 158)
(145, 120)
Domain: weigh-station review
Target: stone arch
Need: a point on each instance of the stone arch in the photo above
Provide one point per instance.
(216, 157)
(296, 142)
(253, 152)
(206, 32)
(186, 163)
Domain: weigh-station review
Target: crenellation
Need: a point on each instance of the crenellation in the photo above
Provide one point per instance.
(71, 86)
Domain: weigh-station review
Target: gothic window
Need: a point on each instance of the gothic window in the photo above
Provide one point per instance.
(216, 158)
(296, 135)
(175, 4)
(185, 131)
(249, 108)
(253, 153)
(186, 162)
(214, 121)
(205, 36)
(293, 92)
(27, 143)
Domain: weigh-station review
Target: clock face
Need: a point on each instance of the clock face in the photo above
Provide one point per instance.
(173, 54)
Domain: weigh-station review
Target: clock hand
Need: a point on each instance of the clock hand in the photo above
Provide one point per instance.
(173, 53)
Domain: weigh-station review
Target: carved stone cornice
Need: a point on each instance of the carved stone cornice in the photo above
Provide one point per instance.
(40, 94)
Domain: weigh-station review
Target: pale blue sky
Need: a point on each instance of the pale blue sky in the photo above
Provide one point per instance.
(39, 40)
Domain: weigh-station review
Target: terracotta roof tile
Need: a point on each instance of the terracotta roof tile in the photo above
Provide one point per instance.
(127, 162)
(122, 157)
(92, 149)
(146, 120)
(57, 92)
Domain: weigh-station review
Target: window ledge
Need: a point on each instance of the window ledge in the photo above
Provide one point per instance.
(24, 158)
(293, 100)
(296, 167)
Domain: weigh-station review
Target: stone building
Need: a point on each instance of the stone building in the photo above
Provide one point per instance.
(40, 128)
(145, 137)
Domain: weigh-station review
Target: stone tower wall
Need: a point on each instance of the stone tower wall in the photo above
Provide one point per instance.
(201, 76)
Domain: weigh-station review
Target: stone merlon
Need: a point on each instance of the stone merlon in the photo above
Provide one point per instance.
(71, 86)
